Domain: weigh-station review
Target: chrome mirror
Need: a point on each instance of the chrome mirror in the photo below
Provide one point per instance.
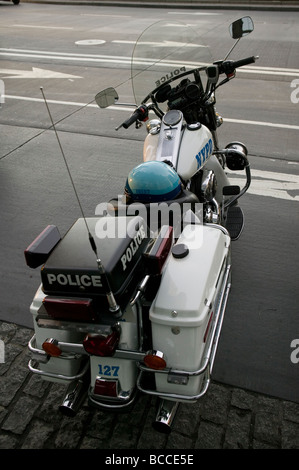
(106, 97)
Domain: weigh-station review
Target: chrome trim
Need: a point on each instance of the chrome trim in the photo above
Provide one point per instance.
(57, 376)
(165, 416)
(113, 405)
(76, 349)
(74, 397)
(44, 321)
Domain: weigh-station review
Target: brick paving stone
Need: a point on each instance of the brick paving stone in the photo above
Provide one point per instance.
(215, 404)
(39, 433)
(291, 411)
(178, 441)
(210, 436)
(290, 435)
(20, 415)
(225, 418)
(237, 434)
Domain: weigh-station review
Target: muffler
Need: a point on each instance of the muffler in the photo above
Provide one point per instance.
(74, 397)
(165, 416)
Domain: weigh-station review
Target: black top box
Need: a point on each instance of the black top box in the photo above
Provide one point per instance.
(72, 266)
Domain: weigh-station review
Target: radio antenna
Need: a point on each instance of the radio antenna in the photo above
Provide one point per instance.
(113, 306)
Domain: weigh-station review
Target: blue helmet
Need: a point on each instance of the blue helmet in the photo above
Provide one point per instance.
(153, 182)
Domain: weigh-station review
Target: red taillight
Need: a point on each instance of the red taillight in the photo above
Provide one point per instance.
(155, 360)
(69, 309)
(105, 387)
(98, 345)
(158, 251)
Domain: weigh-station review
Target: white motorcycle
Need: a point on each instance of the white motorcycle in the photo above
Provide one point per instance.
(133, 300)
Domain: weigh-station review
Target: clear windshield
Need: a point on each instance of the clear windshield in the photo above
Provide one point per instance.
(164, 51)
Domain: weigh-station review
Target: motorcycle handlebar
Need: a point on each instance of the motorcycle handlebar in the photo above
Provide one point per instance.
(229, 66)
(247, 61)
(141, 114)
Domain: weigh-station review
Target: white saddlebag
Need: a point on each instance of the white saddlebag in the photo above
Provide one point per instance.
(182, 312)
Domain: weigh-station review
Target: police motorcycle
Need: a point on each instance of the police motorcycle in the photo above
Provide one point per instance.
(126, 305)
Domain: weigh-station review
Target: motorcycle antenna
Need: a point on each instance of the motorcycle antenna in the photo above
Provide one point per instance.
(113, 306)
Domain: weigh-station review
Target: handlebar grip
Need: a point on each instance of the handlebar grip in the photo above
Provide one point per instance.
(131, 120)
(141, 114)
(247, 61)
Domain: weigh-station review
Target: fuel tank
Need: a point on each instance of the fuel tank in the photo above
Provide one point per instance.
(186, 147)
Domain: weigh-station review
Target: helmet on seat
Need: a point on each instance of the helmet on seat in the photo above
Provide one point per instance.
(152, 182)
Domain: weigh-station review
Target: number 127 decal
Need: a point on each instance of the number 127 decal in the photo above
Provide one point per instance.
(108, 371)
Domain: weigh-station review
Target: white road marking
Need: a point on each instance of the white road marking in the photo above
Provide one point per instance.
(192, 13)
(271, 184)
(35, 73)
(128, 109)
(69, 56)
(40, 27)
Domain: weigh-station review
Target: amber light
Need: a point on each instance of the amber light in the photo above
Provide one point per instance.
(50, 346)
(155, 360)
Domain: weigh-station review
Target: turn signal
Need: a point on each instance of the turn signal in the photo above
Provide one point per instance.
(155, 360)
(50, 346)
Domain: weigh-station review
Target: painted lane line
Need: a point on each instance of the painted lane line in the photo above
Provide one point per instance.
(124, 108)
(127, 59)
(261, 123)
(279, 186)
(40, 27)
(35, 73)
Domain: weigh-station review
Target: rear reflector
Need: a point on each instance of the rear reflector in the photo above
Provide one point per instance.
(158, 250)
(98, 345)
(75, 309)
(39, 250)
(105, 387)
(50, 346)
(208, 327)
(155, 360)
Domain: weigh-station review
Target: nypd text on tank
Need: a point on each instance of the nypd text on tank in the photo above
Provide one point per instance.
(204, 153)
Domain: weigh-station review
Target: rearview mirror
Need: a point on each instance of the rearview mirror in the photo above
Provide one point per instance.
(106, 97)
(241, 27)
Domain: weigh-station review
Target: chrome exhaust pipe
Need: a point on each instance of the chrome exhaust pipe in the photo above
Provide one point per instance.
(165, 416)
(74, 397)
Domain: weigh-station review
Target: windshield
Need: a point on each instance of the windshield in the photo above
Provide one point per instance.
(165, 51)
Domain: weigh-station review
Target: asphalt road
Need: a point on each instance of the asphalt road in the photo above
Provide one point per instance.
(39, 47)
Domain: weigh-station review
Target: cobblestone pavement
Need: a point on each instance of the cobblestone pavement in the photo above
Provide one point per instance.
(226, 418)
